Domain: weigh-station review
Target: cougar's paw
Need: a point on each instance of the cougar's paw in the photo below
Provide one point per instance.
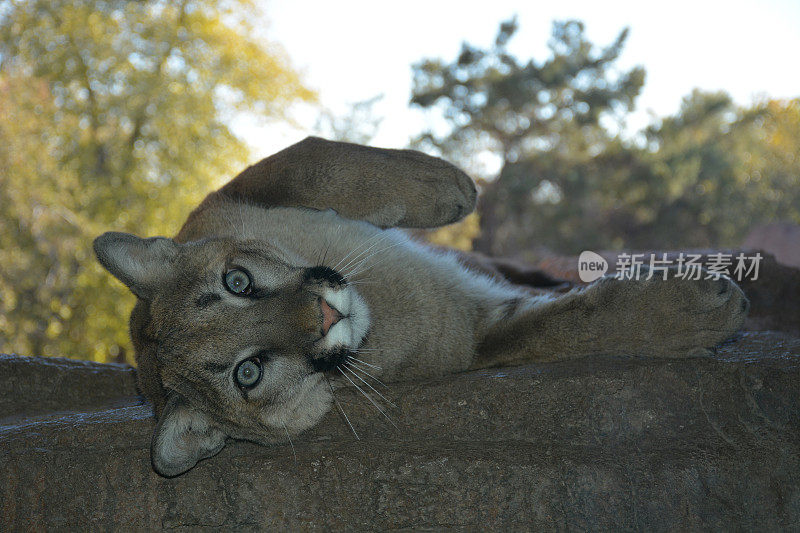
(674, 316)
(455, 200)
(438, 193)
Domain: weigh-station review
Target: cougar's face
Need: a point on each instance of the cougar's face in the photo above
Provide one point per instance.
(246, 332)
(243, 334)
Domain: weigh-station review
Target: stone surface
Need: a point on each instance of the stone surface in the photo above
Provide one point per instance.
(781, 240)
(597, 443)
(32, 385)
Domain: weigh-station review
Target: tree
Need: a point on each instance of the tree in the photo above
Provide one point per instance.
(568, 183)
(517, 110)
(358, 125)
(708, 175)
(113, 116)
(721, 169)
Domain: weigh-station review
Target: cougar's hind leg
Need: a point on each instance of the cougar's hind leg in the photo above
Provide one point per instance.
(671, 317)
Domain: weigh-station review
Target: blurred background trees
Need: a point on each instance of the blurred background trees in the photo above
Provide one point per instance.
(117, 115)
(569, 181)
(358, 124)
(113, 115)
(515, 110)
(493, 101)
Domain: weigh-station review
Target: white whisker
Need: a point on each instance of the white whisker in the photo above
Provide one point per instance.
(356, 367)
(373, 389)
(352, 263)
(342, 410)
(362, 269)
(364, 362)
(348, 255)
(290, 442)
(355, 266)
(381, 411)
(360, 246)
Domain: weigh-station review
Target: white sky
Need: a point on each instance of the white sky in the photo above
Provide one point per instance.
(351, 50)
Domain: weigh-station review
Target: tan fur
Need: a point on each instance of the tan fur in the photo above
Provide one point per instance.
(413, 312)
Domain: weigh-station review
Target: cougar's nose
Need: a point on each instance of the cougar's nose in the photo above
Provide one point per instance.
(330, 316)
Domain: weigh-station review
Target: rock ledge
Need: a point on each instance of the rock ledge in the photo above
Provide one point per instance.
(600, 443)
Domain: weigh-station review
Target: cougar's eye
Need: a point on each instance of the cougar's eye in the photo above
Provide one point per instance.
(238, 281)
(248, 373)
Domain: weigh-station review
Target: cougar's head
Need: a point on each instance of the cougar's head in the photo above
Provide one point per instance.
(242, 334)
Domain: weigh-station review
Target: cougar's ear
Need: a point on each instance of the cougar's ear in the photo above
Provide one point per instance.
(141, 264)
(183, 436)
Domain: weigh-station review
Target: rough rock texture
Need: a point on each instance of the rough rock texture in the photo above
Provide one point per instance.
(600, 443)
(33, 385)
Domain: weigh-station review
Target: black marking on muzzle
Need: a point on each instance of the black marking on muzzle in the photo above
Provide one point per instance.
(328, 361)
(326, 274)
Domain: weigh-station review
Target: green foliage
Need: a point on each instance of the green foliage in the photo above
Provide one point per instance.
(493, 101)
(113, 116)
(705, 177)
(721, 169)
(708, 175)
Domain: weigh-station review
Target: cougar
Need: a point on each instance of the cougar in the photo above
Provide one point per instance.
(294, 278)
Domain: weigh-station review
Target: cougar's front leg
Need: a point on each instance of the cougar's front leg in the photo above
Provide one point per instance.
(388, 188)
(667, 318)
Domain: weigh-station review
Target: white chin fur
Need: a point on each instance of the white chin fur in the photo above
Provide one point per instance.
(310, 401)
(350, 330)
